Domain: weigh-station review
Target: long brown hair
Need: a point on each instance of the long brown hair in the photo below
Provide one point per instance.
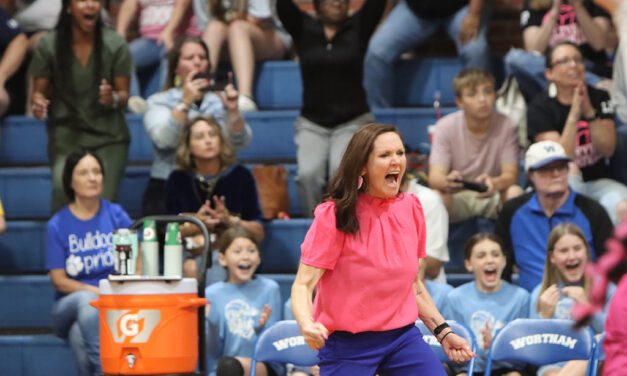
(185, 159)
(551, 273)
(217, 9)
(343, 185)
(175, 54)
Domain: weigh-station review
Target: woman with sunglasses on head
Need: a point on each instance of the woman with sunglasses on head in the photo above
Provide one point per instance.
(331, 48)
(581, 119)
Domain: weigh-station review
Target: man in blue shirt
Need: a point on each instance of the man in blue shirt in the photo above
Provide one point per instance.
(526, 221)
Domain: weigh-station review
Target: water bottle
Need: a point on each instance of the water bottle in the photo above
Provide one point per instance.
(150, 249)
(123, 252)
(173, 252)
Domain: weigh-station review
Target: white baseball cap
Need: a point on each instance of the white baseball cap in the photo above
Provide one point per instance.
(542, 153)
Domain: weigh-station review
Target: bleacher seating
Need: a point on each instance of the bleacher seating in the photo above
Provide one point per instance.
(273, 136)
(25, 187)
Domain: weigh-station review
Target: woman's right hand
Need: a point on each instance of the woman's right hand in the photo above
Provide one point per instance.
(314, 334)
(192, 88)
(548, 301)
(40, 105)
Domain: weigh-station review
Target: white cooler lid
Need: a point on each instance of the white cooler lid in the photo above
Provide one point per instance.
(148, 287)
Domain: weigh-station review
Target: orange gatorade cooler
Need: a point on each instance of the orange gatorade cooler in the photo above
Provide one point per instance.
(148, 327)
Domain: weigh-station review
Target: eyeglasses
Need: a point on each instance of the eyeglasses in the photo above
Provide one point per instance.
(567, 60)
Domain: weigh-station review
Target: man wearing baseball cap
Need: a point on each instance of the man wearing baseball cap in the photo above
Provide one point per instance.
(526, 221)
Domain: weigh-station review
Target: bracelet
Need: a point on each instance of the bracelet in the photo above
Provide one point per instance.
(444, 336)
(438, 329)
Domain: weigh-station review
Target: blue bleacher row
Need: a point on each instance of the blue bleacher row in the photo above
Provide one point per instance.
(24, 139)
(25, 192)
(27, 301)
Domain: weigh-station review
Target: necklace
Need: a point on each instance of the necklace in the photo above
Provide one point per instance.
(207, 183)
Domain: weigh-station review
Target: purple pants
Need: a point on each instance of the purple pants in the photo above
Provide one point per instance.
(398, 352)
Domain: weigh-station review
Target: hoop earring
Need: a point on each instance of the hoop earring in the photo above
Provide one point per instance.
(360, 182)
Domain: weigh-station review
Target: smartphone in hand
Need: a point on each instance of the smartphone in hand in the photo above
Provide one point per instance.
(472, 185)
(217, 82)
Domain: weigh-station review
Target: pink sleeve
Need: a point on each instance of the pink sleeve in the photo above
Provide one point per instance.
(421, 227)
(511, 152)
(440, 151)
(323, 243)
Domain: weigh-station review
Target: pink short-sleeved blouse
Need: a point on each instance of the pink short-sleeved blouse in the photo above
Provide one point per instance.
(368, 282)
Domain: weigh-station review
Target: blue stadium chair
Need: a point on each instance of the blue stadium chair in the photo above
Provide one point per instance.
(283, 343)
(460, 329)
(539, 342)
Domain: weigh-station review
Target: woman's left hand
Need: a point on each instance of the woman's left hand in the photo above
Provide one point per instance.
(456, 348)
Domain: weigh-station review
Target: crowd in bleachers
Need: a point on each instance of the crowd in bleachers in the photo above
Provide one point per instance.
(83, 70)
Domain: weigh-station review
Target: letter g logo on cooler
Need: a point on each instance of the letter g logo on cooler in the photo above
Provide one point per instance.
(132, 326)
(129, 325)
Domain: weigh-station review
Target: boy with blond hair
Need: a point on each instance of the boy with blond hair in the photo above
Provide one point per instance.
(476, 144)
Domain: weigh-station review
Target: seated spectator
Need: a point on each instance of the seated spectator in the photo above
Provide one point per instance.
(546, 23)
(411, 23)
(487, 303)
(478, 144)
(68, 252)
(240, 308)
(212, 187)
(149, 49)
(13, 48)
(331, 48)
(183, 98)
(251, 31)
(81, 73)
(525, 222)
(436, 220)
(581, 118)
(563, 285)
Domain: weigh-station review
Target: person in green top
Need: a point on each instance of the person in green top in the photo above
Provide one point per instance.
(81, 77)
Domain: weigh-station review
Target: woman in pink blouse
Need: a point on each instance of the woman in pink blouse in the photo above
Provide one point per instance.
(362, 253)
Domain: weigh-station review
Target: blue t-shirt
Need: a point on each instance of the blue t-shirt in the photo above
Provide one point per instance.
(472, 307)
(566, 304)
(234, 316)
(84, 248)
(438, 292)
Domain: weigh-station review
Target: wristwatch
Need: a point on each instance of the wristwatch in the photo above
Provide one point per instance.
(182, 107)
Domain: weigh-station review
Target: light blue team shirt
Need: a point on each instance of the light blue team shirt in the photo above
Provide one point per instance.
(234, 316)
(566, 304)
(439, 293)
(472, 307)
